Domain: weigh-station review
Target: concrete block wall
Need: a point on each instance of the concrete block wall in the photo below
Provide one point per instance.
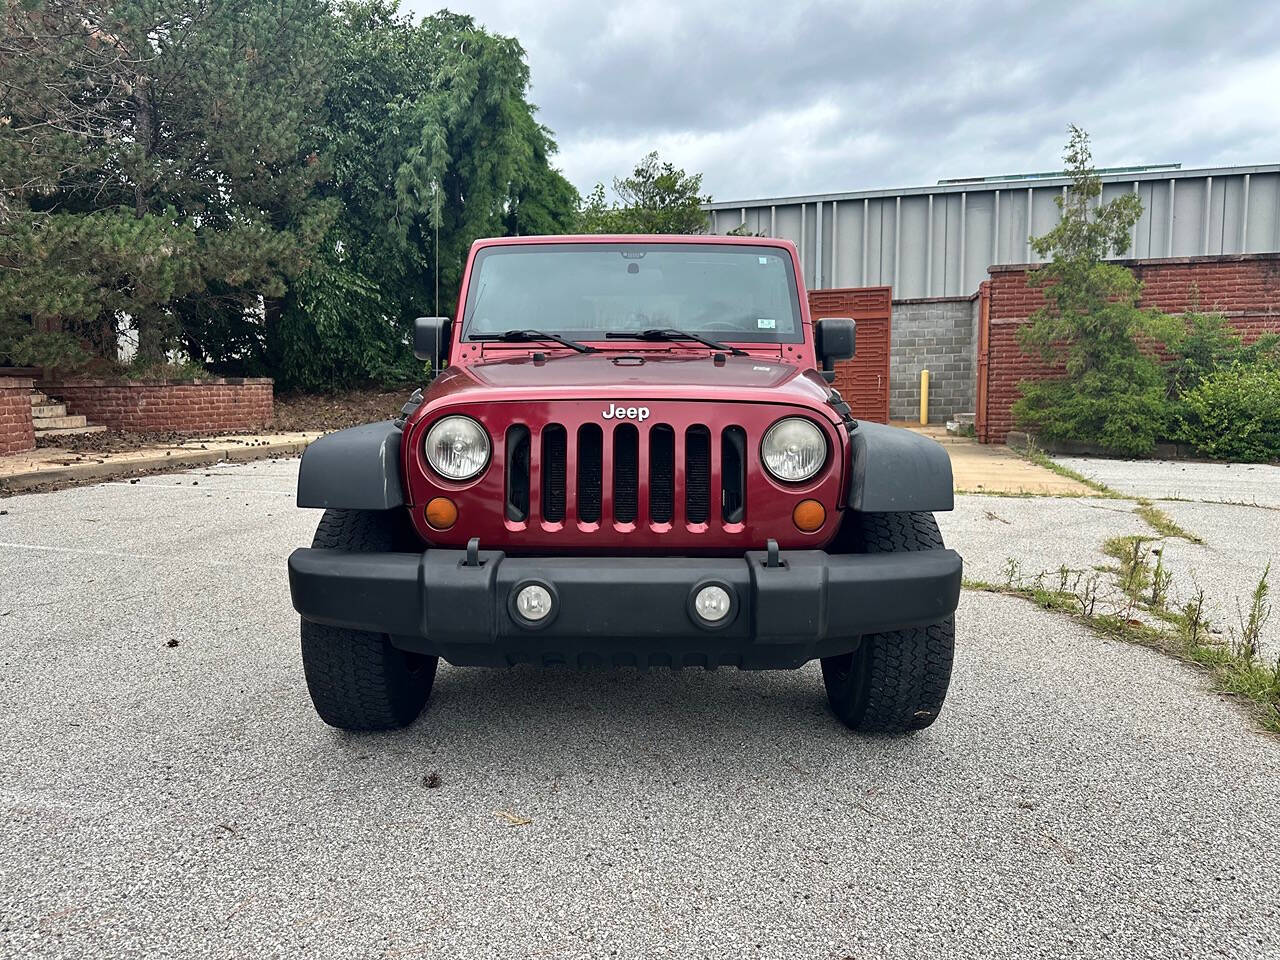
(17, 435)
(939, 334)
(231, 403)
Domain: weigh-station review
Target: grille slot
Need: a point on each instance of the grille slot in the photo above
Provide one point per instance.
(517, 461)
(733, 474)
(590, 472)
(697, 474)
(554, 464)
(662, 473)
(626, 472)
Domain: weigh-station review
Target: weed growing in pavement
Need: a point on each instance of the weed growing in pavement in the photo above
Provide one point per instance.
(1041, 459)
(1160, 582)
(1193, 618)
(1135, 569)
(1181, 631)
(1161, 522)
(1012, 571)
(1251, 624)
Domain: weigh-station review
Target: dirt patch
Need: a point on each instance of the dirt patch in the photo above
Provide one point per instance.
(336, 411)
(116, 441)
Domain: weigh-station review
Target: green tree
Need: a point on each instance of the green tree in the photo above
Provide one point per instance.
(1113, 395)
(156, 165)
(658, 197)
(434, 144)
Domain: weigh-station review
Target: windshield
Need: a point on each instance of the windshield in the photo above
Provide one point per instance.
(585, 291)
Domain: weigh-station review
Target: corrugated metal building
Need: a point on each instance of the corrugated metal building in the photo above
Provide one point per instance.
(939, 241)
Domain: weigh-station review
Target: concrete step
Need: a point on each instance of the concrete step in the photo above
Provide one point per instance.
(57, 423)
(64, 431)
(38, 398)
(48, 410)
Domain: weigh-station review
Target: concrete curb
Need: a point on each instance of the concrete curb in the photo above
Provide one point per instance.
(162, 461)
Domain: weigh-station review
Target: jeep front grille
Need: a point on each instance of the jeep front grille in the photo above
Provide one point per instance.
(593, 475)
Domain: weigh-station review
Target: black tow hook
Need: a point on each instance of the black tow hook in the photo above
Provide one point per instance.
(473, 553)
(771, 558)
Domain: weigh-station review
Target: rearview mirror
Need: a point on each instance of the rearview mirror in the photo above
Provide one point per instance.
(836, 338)
(431, 340)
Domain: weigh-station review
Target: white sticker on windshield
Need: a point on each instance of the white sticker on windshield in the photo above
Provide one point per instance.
(763, 259)
(764, 323)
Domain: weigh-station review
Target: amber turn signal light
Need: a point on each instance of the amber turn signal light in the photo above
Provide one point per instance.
(809, 515)
(442, 513)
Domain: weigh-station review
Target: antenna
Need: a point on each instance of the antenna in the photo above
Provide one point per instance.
(435, 195)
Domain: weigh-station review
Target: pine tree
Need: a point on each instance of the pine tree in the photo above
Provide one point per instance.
(1113, 395)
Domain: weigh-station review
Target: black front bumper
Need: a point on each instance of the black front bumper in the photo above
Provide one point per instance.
(625, 610)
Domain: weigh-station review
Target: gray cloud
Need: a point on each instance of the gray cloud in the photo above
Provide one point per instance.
(776, 97)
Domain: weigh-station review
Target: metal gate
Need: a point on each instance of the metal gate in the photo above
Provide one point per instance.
(864, 380)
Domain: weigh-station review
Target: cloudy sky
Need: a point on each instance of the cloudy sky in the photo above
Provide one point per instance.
(782, 97)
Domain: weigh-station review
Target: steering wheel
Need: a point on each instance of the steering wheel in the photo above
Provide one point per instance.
(721, 325)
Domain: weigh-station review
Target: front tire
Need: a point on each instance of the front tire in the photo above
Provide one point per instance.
(359, 680)
(897, 681)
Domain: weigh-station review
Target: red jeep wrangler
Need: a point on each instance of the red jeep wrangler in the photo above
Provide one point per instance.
(632, 455)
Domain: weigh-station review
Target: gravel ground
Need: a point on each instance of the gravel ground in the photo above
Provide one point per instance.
(1250, 483)
(1040, 533)
(1077, 798)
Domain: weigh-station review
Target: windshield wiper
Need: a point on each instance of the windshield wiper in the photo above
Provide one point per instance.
(671, 333)
(521, 336)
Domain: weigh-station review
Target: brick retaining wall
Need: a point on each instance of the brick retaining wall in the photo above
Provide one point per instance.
(188, 406)
(937, 334)
(17, 435)
(1244, 288)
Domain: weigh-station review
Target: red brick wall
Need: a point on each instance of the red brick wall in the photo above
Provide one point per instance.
(161, 405)
(1246, 289)
(16, 432)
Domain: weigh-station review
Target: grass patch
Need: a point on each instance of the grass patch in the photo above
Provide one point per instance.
(1162, 523)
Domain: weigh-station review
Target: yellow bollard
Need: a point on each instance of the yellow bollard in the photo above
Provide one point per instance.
(924, 398)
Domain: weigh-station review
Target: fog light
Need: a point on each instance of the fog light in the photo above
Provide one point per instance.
(809, 515)
(441, 513)
(712, 603)
(533, 602)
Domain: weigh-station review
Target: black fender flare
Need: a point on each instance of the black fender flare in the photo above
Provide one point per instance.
(353, 469)
(893, 470)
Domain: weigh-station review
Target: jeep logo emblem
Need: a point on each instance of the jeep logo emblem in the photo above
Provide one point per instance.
(616, 412)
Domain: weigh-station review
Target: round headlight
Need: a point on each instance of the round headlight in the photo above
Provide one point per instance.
(457, 448)
(793, 449)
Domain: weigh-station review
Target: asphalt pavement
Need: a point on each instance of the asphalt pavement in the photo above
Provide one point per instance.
(168, 791)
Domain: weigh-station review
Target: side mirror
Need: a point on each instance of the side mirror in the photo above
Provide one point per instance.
(431, 340)
(836, 338)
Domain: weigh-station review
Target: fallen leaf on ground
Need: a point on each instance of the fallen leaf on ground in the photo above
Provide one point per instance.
(513, 819)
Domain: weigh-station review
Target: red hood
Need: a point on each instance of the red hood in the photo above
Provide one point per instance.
(681, 376)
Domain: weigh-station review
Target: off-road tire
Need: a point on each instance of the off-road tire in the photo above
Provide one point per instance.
(358, 680)
(897, 681)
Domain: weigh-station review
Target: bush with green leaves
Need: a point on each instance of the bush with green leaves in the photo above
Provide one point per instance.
(1234, 414)
(1205, 344)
